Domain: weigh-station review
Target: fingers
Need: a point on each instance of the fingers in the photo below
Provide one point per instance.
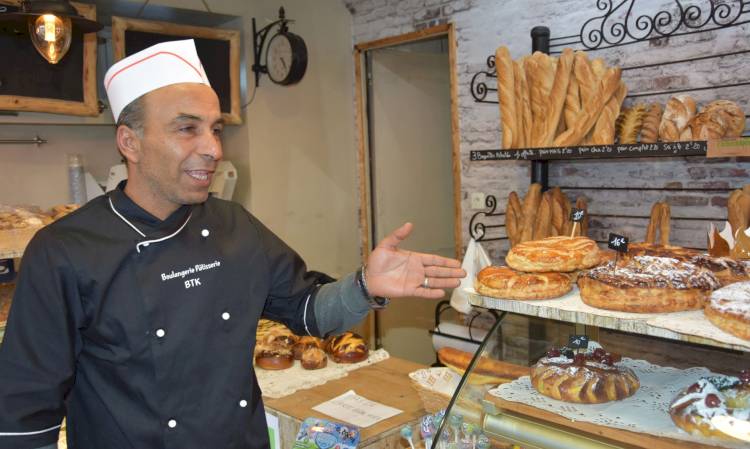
(396, 237)
(438, 283)
(443, 272)
(433, 260)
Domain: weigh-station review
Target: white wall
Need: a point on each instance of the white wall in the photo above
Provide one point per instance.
(295, 152)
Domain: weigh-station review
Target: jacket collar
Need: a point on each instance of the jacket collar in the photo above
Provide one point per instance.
(144, 221)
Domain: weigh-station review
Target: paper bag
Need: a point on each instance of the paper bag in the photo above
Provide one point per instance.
(475, 259)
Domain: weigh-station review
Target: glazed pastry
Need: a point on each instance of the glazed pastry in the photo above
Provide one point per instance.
(313, 358)
(505, 283)
(305, 343)
(647, 284)
(656, 250)
(695, 406)
(273, 357)
(347, 348)
(729, 309)
(554, 254)
(590, 377)
(726, 269)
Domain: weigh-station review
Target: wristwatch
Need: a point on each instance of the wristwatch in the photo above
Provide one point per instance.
(376, 302)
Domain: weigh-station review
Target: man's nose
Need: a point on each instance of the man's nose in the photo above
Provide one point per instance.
(211, 149)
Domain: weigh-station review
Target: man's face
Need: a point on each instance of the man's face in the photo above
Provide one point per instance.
(180, 147)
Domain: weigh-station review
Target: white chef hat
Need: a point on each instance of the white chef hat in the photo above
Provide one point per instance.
(157, 66)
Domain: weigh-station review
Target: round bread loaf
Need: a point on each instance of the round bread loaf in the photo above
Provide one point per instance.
(305, 343)
(592, 377)
(729, 309)
(695, 406)
(503, 282)
(563, 254)
(647, 284)
(274, 357)
(347, 348)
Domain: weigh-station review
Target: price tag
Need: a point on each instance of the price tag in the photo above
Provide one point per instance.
(618, 243)
(578, 342)
(577, 215)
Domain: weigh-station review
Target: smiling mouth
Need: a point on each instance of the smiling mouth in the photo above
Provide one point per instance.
(200, 175)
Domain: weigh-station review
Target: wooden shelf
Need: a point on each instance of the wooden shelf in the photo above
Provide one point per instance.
(690, 326)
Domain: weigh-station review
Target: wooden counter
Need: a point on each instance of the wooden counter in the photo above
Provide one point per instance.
(386, 382)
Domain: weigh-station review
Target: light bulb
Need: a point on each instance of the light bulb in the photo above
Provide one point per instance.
(51, 36)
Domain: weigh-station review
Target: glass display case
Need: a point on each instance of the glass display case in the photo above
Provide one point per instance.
(637, 378)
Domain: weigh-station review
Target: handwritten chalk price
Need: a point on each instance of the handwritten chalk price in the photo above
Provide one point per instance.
(618, 243)
(577, 215)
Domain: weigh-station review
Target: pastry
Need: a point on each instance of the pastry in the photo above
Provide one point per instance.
(677, 114)
(717, 245)
(630, 124)
(695, 406)
(278, 334)
(591, 377)
(729, 309)
(313, 358)
(305, 343)
(273, 357)
(656, 250)
(347, 348)
(487, 370)
(647, 284)
(554, 254)
(506, 96)
(741, 248)
(731, 115)
(651, 121)
(726, 269)
(505, 283)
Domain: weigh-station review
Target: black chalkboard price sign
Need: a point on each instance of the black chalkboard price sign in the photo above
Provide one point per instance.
(578, 342)
(659, 149)
(577, 215)
(618, 243)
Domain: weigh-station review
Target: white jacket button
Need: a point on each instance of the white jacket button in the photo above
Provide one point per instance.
(161, 333)
(205, 233)
(225, 316)
(172, 423)
(243, 403)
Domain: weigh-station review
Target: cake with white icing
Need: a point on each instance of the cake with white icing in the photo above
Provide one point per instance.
(729, 309)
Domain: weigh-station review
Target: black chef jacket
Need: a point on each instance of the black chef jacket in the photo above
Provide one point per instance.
(141, 331)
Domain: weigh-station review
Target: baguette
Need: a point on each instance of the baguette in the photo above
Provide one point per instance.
(557, 96)
(664, 224)
(530, 207)
(558, 214)
(604, 129)
(584, 79)
(513, 218)
(651, 121)
(523, 104)
(583, 227)
(599, 67)
(572, 102)
(540, 73)
(738, 208)
(506, 96)
(591, 111)
(543, 218)
(486, 371)
(653, 223)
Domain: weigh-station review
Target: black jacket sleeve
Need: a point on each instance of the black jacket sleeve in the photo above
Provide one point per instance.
(37, 356)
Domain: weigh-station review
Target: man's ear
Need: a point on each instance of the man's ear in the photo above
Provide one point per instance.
(128, 143)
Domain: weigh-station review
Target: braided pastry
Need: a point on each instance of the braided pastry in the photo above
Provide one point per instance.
(651, 120)
(347, 348)
(630, 126)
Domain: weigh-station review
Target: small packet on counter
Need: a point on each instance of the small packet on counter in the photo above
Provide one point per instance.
(317, 433)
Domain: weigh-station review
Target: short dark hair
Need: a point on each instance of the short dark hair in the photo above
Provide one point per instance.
(132, 116)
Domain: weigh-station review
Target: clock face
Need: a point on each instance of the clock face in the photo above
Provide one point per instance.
(279, 58)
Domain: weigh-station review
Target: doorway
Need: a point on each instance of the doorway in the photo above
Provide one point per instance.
(409, 167)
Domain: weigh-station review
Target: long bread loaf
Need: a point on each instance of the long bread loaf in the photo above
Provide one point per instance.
(506, 96)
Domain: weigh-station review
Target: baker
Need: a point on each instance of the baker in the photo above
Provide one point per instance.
(135, 316)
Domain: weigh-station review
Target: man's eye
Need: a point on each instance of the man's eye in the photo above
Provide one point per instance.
(187, 128)
(218, 131)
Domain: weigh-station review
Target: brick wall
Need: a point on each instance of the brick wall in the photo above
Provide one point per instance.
(482, 25)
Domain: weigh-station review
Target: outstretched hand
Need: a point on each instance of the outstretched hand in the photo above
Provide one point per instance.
(393, 272)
